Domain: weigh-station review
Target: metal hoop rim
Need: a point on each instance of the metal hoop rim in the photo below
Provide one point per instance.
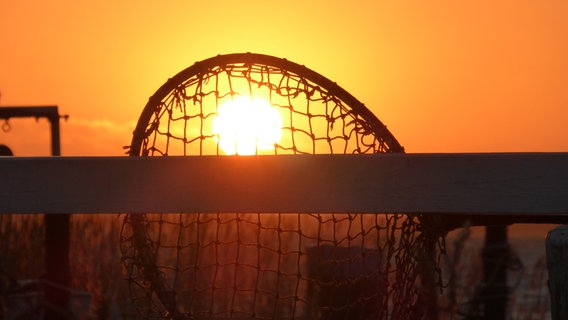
(254, 58)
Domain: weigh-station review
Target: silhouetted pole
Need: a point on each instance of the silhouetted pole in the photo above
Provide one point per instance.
(57, 274)
(57, 237)
(496, 255)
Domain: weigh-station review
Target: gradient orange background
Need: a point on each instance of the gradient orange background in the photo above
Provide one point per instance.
(444, 76)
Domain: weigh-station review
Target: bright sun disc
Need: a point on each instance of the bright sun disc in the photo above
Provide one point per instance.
(245, 126)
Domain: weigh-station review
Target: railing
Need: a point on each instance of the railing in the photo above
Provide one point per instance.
(481, 184)
(485, 188)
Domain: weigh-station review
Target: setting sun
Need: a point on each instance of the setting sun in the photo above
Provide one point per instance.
(246, 126)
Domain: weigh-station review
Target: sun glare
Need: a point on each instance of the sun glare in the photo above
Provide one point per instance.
(246, 126)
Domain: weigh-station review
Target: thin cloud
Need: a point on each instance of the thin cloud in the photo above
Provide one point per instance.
(95, 137)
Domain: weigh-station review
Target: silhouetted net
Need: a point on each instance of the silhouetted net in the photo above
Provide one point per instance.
(271, 265)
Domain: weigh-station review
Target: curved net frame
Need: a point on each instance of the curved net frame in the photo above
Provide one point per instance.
(269, 265)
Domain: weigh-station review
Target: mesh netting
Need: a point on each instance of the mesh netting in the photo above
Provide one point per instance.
(270, 265)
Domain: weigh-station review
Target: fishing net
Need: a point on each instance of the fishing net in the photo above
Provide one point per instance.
(270, 265)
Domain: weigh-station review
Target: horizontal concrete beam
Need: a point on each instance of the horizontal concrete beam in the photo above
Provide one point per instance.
(507, 183)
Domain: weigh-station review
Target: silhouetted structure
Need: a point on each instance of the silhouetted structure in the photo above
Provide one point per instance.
(57, 273)
(5, 151)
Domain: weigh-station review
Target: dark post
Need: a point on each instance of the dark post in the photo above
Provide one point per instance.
(495, 255)
(57, 237)
(57, 274)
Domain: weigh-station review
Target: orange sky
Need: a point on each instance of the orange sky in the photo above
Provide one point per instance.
(467, 76)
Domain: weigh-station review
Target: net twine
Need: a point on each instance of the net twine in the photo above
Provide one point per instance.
(272, 265)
